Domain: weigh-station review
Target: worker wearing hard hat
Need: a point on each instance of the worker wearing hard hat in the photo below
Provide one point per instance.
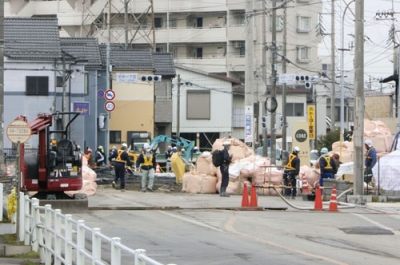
(168, 155)
(147, 163)
(100, 156)
(121, 159)
(224, 168)
(291, 171)
(370, 161)
(327, 166)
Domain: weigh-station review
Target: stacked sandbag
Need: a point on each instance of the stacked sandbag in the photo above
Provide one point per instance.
(246, 167)
(89, 186)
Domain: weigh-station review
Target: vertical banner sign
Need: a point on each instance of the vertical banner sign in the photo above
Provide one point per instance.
(311, 122)
(300, 139)
(248, 127)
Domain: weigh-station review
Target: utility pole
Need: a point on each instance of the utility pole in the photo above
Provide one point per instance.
(1, 79)
(284, 84)
(273, 80)
(126, 23)
(249, 73)
(264, 73)
(178, 106)
(333, 77)
(108, 86)
(359, 99)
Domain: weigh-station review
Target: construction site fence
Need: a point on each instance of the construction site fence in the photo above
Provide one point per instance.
(60, 239)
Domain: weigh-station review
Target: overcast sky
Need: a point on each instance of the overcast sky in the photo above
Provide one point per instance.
(378, 58)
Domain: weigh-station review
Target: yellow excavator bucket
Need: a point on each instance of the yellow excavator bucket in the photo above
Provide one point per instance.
(178, 166)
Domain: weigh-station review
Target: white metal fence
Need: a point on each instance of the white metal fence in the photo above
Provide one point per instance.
(59, 239)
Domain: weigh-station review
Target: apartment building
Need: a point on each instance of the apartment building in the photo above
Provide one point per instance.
(209, 36)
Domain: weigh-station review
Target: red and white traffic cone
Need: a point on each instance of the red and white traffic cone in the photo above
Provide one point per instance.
(333, 206)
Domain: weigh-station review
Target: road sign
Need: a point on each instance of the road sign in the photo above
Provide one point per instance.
(109, 95)
(19, 131)
(100, 93)
(82, 107)
(109, 106)
(287, 78)
(311, 121)
(301, 135)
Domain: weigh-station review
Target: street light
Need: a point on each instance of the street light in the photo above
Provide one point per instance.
(342, 79)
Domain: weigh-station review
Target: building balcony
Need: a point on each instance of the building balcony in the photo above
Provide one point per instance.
(236, 32)
(30, 8)
(236, 4)
(210, 65)
(236, 63)
(190, 35)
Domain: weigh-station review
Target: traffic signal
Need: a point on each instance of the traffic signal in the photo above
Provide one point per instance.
(281, 122)
(264, 122)
(306, 79)
(150, 78)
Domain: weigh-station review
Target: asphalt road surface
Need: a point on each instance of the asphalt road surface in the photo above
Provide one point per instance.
(197, 233)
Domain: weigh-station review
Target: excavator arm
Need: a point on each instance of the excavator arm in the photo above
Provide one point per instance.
(178, 141)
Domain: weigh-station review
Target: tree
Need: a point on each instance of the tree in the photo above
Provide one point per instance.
(329, 138)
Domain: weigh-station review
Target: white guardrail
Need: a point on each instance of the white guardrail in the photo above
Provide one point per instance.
(59, 239)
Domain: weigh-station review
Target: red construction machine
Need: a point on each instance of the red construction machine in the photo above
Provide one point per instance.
(56, 167)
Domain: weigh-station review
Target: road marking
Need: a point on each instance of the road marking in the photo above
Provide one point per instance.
(230, 228)
(378, 224)
(191, 221)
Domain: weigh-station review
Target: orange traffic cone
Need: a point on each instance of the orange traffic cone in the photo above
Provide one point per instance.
(245, 196)
(8, 172)
(158, 168)
(318, 199)
(253, 196)
(333, 206)
(304, 188)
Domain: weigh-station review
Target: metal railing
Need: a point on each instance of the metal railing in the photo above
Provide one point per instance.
(59, 239)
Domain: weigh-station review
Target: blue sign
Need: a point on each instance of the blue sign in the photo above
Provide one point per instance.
(100, 93)
(82, 107)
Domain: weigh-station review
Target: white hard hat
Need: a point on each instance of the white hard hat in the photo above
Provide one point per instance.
(114, 147)
(124, 145)
(226, 143)
(146, 146)
(183, 149)
(296, 149)
(368, 142)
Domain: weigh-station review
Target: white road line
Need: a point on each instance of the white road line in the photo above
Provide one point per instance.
(378, 224)
(191, 221)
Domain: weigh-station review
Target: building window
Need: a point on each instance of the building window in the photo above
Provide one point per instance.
(59, 81)
(115, 137)
(295, 109)
(238, 118)
(158, 21)
(303, 53)
(303, 24)
(198, 105)
(173, 23)
(279, 23)
(37, 86)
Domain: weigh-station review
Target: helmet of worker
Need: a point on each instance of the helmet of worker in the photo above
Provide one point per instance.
(368, 142)
(336, 156)
(114, 148)
(183, 150)
(226, 143)
(146, 147)
(296, 150)
(100, 147)
(89, 150)
(174, 149)
(124, 145)
(195, 148)
(324, 151)
(169, 147)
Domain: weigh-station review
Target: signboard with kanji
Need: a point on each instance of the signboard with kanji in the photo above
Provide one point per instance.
(311, 122)
(18, 131)
(82, 107)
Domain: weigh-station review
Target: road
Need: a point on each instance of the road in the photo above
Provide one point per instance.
(198, 234)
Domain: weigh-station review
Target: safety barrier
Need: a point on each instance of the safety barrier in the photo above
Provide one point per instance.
(59, 239)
